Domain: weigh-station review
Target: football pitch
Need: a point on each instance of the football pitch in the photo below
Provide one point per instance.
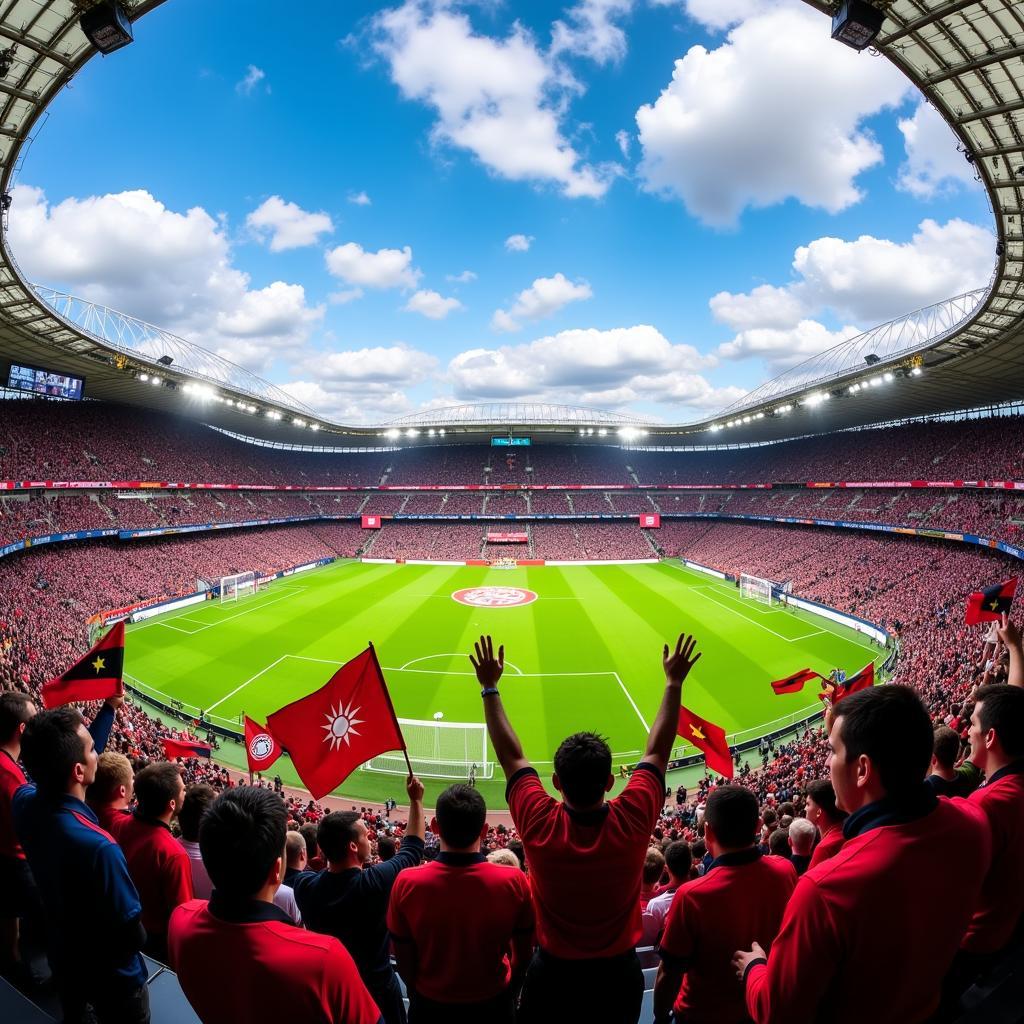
(584, 653)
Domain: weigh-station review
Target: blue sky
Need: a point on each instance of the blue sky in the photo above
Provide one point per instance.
(702, 192)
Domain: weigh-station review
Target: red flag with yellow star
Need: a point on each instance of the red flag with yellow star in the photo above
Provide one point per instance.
(95, 676)
(337, 728)
(709, 738)
(990, 604)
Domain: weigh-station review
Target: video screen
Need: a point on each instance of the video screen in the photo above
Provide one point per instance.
(44, 382)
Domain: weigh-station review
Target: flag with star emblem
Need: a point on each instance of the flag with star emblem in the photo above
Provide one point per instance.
(342, 725)
(990, 604)
(261, 748)
(95, 676)
(709, 738)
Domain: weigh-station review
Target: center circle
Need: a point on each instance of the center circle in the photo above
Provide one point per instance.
(494, 597)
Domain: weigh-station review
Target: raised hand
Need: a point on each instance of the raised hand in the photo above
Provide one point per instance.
(1008, 632)
(414, 788)
(677, 665)
(488, 668)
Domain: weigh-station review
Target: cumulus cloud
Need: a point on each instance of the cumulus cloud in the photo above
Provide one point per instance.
(130, 252)
(590, 30)
(545, 297)
(500, 99)
(360, 199)
(432, 304)
(934, 165)
(720, 14)
(385, 268)
(739, 126)
(518, 243)
(287, 225)
(246, 86)
(765, 306)
(780, 348)
(464, 278)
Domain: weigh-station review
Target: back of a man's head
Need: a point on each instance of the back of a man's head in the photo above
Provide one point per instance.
(945, 746)
(731, 814)
(386, 848)
(678, 860)
(778, 843)
(198, 799)
(295, 849)
(583, 764)
(654, 866)
(1000, 707)
(156, 786)
(113, 772)
(890, 726)
(241, 835)
(801, 836)
(824, 796)
(337, 831)
(461, 814)
(309, 833)
(15, 711)
(51, 747)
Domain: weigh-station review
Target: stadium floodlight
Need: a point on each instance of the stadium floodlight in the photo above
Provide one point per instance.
(441, 432)
(857, 23)
(156, 381)
(298, 422)
(602, 432)
(876, 381)
(887, 377)
(815, 398)
(916, 371)
(431, 432)
(629, 433)
(715, 427)
(759, 416)
(143, 377)
(783, 409)
(746, 419)
(314, 426)
(273, 414)
(392, 434)
(107, 26)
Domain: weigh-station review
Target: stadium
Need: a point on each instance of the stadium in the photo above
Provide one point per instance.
(193, 549)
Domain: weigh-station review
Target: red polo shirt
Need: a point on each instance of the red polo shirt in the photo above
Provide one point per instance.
(113, 819)
(741, 899)
(12, 778)
(829, 845)
(1001, 800)
(159, 867)
(586, 867)
(871, 931)
(461, 915)
(250, 963)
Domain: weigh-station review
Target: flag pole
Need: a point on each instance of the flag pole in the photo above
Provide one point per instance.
(391, 707)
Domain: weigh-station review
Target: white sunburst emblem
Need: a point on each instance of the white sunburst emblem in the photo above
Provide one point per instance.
(341, 723)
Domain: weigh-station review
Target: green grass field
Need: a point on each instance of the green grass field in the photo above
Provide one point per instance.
(585, 655)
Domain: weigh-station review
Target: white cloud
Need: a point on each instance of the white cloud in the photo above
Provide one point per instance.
(765, 306)
(545, 297)
(432, 304)
(780, 348)
(345, 296)
(624, 141)
(287, 224)
(590, 30)
(518, 243)
(360, 199)
(385, 268)
(253, 76)
(934, 164)
(500, 99)
(130, 252)
(741, 126)
(720, 14)
(464, 278)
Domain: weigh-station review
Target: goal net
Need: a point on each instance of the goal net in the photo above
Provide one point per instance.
(240, 585)
(756, 589)
(503, 563)
(439, 750)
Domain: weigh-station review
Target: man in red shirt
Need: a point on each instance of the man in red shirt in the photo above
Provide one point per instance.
(462, 928)
(157, 862)
(238, 957)
(586, 855)
(743, 893)
(821, 811)
(110, 795)
(865, 930)
(19, 897)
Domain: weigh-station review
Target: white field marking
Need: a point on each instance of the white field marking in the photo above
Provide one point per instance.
(238, 615)
(744, 602)
(190, 610)
(167, 625)
(429, 657)
(632, 703)
(242, 686)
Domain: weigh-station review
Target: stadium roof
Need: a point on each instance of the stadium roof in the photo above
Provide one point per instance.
(967, 58)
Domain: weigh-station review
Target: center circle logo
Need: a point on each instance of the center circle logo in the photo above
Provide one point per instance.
(261, 746)
(494, 597)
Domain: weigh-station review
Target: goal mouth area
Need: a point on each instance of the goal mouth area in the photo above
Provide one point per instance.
(438, 750)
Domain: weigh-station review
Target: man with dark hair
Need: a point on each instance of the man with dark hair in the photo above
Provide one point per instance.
(677, 860)
(238, 957)
(158, 863)
(945, 778)
(821, 811)
(349, 898)
(386, 848)
(462, 927)
(874, 903)
(111, 793)
(585, 855)
(198, 799)
(91, 906)
(314, 859)
(19, 897)
(742, 893)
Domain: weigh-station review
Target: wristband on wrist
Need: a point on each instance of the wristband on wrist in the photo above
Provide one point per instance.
(489, 691)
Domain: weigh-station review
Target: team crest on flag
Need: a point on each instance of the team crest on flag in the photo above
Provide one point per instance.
(261, 749)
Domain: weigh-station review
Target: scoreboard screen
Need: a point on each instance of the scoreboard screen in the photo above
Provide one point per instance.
(509, 442)
(44, 382)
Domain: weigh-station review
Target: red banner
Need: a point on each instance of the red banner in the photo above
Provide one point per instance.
(508, 538)
(371, 523)
(650, 520)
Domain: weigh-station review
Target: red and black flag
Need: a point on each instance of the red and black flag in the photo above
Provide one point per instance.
(709, 738)
(95, 676)
(175, 748)
(796, 682)
(990, 604)
(835, 692)
(261, 748)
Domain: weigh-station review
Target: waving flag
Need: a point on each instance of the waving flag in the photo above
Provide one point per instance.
(261, 748)
(709, 738)
(95, 676)
(342, 725)
(795, 683)
(174, 748)
(835, 692)
(990, 604)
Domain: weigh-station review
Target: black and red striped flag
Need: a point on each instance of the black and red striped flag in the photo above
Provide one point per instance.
(795, 682)
(95, 676)
(174, 748)
(991, 604)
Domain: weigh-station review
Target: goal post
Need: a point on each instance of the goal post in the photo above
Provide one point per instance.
(439, 750)
(754, 588)
(241, 584)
